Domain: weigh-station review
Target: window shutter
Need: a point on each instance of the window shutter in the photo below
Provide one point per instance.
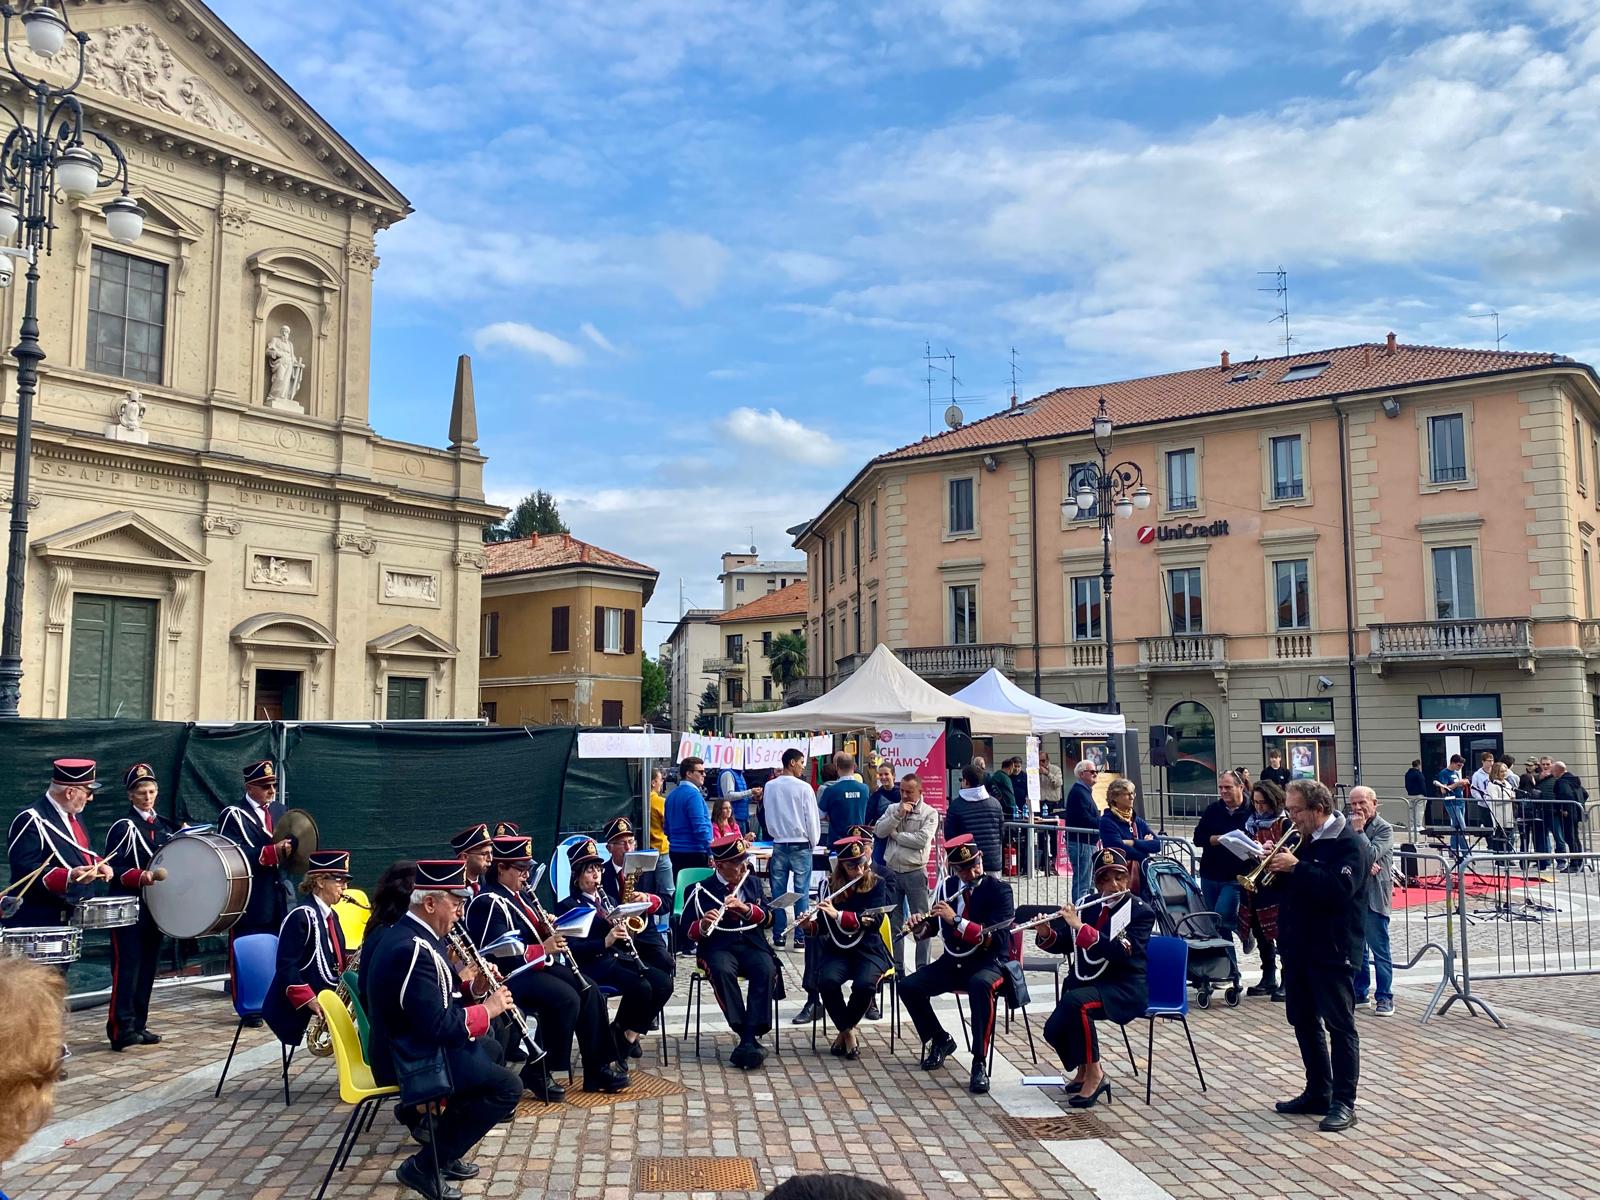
(628, 643)
(599, 628)
(560, 624)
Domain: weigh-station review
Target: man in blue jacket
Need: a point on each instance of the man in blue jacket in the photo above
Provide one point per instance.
(1083, 815)
(687, 818)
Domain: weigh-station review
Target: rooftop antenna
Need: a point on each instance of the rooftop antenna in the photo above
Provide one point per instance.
(1498, 336)
(1280, 286)
(929, 357)
(1013, 377)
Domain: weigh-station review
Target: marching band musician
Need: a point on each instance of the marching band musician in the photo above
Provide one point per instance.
(851, 948)
(413, 1021)
(131, 844)
(620, 839)
(248, 825)
(474, 846)
(608, 957)
(968, 906)
(562, 1001)
(1104, 939)
(725, 918)
(49, 832)
(311, 949)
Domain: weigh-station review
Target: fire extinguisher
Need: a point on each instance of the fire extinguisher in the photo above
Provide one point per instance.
(1011, 858)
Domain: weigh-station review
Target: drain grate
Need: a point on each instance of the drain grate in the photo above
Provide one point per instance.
(1065, 1128)
(644, 1087)
(694, 1174)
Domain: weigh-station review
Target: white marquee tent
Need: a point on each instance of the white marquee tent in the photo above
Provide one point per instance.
(994, 691)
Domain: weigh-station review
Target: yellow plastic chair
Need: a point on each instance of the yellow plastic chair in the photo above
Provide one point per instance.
(356, 1085)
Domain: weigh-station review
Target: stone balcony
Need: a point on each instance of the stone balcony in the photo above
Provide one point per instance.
(1479, 639)
(721, 666)
(1183, 652)
(958, 662)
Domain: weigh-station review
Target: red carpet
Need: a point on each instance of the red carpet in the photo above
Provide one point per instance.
(1477, 885)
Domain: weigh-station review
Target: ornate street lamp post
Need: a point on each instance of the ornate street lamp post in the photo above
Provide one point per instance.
(43, 156)
(1109, 491)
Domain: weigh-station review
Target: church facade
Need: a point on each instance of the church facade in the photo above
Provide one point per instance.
(216, 530)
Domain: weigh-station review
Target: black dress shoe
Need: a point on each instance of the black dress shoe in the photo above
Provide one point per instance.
(460, 1169)
(1265, 988)
(979, 1083)
(607, 1079)
(119, 1044)
(148, 1038)
(1340, 1117)
(1304, 1103)
(543, 1087)
(413, 1175)
(741, 1054)
(811, 1012)
(935, 1054)
(874, 1013)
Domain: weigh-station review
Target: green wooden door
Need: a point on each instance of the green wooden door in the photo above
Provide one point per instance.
(113, 657)
(408, 698)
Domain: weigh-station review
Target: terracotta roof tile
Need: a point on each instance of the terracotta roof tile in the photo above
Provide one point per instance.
(785, 602)
(550, 551)
(1258, 383)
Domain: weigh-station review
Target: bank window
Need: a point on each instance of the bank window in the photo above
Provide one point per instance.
(1082, 475)
(1288, 476)
(1453, 597)
(1297, 710)
(1458, 708)
(127, 315)
(1291, 581)
(964, 614)
(1184, 601)
(1182, 490)
(1086, 608)
(491, 634)
(1447, 448)
(960, 514)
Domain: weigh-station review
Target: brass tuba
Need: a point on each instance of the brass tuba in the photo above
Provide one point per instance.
(1258, 877)
(318, 1040)
(636, 924)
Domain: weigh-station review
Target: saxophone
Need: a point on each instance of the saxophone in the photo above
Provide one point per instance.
(636, 924)
(319, 1041)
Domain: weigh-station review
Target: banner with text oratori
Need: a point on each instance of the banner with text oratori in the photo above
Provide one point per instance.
(718, 753)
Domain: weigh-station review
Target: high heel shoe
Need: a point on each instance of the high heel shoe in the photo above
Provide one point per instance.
(1072, 1087)
(1087, 1101)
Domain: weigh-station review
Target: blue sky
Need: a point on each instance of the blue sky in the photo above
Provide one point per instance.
(696, 248)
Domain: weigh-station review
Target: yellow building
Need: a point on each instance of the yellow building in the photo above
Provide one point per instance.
(560, 634)
(744, 676)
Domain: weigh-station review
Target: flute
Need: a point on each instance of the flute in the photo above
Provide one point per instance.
(828, 899)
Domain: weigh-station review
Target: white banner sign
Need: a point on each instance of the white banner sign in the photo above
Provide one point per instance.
(1480, 725)
(766, 754)
(624, 745)
(1297, 729)
(906, 747)
(719, 753)
(820, 745)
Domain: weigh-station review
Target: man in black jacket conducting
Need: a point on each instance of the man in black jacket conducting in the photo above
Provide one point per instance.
(1320, 886)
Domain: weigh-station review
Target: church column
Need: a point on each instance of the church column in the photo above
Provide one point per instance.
(352, 600)
(217, 681)
(229, 330)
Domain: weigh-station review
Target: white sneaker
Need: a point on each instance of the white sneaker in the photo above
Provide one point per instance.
(1364, 1002)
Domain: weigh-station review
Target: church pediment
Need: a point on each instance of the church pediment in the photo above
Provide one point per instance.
(413, 641)
(124, 539)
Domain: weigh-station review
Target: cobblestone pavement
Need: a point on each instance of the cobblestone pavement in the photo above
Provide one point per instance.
(1445, 1109)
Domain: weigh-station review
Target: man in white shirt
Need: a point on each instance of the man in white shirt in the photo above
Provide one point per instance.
(1479, 783)
(790, 816)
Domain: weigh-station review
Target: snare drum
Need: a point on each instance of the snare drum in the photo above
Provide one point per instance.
(207, 887)
(43, 944)
(107, 912)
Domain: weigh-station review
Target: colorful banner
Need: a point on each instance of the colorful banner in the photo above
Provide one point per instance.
(1032, 768)
(747, 754)
(920, 749)
(766, 754)
(719, 753)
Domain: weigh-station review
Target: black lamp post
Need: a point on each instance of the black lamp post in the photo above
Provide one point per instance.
(1110, 492)
(43, 154)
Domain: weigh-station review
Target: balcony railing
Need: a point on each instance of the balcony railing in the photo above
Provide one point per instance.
(1291, 645)
(1184, 651)
(802, 688)
(721, 666)
(1478, 638)
(1089, 654)
(934, 662)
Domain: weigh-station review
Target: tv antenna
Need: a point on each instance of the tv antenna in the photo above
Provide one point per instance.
(1013, 377)
(1280, 286)
(1495, 316)
(929, 357)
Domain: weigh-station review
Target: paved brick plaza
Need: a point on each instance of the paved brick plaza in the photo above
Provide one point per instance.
(1455, 1107)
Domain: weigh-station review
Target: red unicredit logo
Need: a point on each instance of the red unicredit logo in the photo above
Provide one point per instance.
(1147, 534)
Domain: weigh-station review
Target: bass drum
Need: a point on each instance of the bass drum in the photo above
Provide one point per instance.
(207, 887)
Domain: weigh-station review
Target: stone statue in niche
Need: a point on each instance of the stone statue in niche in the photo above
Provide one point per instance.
(270, 570)
(129, 425)
(400, 585)
(285, 372)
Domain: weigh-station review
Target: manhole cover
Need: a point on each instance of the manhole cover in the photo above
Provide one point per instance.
(644, 1087)
(1065, 1128)
(694, 1174)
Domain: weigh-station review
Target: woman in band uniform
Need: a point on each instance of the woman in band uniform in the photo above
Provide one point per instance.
(851, 948)
(311, 950)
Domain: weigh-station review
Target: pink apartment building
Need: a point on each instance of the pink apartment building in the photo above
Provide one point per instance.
(1360, 556)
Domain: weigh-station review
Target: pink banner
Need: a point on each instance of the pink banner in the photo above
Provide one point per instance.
(920, 749)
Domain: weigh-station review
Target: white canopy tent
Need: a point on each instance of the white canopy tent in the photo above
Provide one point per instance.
(882, 691)
(994, 691)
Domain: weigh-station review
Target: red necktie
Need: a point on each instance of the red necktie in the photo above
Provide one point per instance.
(266, 818)
(333, 936)
(78, 835)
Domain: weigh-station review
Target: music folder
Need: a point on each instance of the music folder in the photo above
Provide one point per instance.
(787, 900)
(640, 862)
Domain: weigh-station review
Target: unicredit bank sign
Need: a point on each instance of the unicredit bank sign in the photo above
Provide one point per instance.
(1481, 725)
(1186, 532)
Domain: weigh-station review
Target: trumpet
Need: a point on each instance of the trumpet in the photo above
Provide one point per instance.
(467, 951)
(319, 1041)
(1258, 877)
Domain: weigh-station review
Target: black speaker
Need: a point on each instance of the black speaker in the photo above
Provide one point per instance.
(957, 743)
(1158, 746)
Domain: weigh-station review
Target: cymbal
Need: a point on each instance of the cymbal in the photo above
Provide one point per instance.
(300, 825)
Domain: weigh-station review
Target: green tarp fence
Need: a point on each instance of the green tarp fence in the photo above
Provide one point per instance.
(383, 792)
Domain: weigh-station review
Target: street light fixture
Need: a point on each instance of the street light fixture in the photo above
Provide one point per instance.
(1110, 492)
(43, 153)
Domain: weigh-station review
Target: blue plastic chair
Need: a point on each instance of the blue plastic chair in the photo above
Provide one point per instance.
(560, 869)
(1167, 969)
(255, 960)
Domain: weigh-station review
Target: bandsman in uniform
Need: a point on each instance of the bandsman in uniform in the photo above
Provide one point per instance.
(620, 838)
(967, 907)
(506, 829)
(131, 844)
(848, 941)
(248, 825)
(49, 842)
(311, 951)
(610, 956)
(504, 924)
(474, 846)
(725, 918)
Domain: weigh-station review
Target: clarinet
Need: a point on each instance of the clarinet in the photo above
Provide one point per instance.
(543, 917)
(467, 951)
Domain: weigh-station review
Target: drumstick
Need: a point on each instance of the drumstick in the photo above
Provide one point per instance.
(157, 874)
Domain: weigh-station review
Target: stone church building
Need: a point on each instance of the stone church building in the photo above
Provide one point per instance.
(217, 532)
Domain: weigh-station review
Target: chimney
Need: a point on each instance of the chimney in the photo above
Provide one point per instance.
(1389, 346)
(1224, 360)
(1366, 355)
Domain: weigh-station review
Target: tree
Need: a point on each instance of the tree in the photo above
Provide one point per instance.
(537, 513)
(653, 692)
(705, 720)
(787, 654)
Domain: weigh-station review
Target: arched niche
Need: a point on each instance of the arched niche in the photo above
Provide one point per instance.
(293, 288)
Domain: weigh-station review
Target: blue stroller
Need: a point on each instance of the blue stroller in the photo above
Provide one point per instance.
(1181, 912)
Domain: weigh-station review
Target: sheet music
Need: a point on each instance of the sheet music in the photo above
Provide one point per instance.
(1242, 844)
(1120, 919)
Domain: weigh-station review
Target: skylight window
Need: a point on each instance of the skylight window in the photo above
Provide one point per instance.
(1245, 376)
(1304, 371)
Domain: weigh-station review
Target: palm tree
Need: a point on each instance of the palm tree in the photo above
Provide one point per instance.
(787, 654)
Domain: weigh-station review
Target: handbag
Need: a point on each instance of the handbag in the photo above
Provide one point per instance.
(1016, 983)
(423, 1079)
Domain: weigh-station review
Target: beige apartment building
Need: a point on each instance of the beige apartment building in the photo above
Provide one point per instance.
(741, 666)
(1360, 556)
(217, 532)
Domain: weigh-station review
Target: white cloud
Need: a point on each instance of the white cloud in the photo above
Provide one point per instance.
(599, 339)
(690, 265)
(805, 269)
(516, 335)
(781, 437)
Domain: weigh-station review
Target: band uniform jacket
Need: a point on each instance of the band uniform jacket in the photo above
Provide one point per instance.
(1117, 966)
(40, 835)
(413, 1009)
(707, 896)
(311, 957)
(977, 905)
(497, 911)
(131, 844)
(592, 948)
(852, 934)
(271, 894)
(611, 881)
(1321, 922)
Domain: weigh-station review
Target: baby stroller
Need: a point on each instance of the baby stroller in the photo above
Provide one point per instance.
(1175, 896)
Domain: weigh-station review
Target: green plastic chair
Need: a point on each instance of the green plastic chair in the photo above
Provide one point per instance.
(686, 879)
(349, 979)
